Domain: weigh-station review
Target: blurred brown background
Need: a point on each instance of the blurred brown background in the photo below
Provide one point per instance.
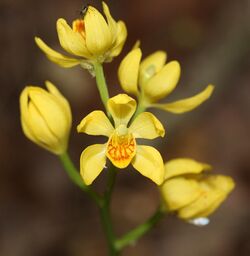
(42, 213)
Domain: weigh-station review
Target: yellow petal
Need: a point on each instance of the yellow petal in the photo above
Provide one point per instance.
(179, 192)
(120, 39)
(221, 182)
(71, 41)
(56, 57)
(164, 82)
(51, 110)
(151, 65)
(147, 126)
(36, 129)
(98, 35)
(182, 166)
(188, 104)
(111, 22)
(65, 104)
(27, 131)
(137, 44)
(92, 162)
(215, 190)
(121, 108)
(149, 163)
(96, 123)
(39, 126)
(25, 116)
(129, 70)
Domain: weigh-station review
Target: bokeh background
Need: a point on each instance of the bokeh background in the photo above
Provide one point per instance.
(42, 213)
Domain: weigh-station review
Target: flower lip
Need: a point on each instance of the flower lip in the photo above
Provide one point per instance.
(121, 147)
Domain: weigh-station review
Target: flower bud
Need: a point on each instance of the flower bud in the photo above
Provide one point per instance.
(46, 117)
(191, 193)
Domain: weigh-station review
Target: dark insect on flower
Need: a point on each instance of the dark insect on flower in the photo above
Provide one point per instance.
(84, 10)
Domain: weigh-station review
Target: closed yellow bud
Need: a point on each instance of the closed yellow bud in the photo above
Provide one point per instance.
(46, 117)
(191, 194)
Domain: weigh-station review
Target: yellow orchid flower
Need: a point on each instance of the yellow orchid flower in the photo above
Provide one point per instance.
(151, 80)
(91, 39)
(189, 192)
(121, 147)
(46, 117)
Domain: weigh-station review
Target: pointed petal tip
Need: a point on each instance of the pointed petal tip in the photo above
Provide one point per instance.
(187, 104)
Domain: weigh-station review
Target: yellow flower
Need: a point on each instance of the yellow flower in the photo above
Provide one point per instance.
(91, 39)
(121, 147)
(46, 117)
(191, 193)
(151, 80)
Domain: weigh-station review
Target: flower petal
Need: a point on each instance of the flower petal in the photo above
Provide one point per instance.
(129, 70)
(66, 107)
(72, 42)
(224, 183)
(179, 192)
(96, 123)
(40, 129)
(121, 108)
(98, 35)
(188, 104)
(147, 126)
(164, 82)
(56, 57)
(111, 22)
(120, 39)
(92, 162)
(215, 190)
(35, 127)
(183, 166)
(49, 107)
(151, 65)
(149, 163)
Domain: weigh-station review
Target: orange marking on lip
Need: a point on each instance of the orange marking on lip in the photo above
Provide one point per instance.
(78, 26)
(121, 150)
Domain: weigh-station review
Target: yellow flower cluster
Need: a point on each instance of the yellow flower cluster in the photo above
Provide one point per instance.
(187, 189)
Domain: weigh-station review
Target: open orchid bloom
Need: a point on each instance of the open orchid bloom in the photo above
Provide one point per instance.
(91, 38)
(191, 193)
(121, 148)
(152, 80)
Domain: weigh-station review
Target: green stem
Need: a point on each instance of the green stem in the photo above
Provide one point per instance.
(108, 229)
(141, 107)
(110, 183)
(102, 202)
(101, 83)
(132, 236)
(105, 212)
(139, 110)
(76, 178)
